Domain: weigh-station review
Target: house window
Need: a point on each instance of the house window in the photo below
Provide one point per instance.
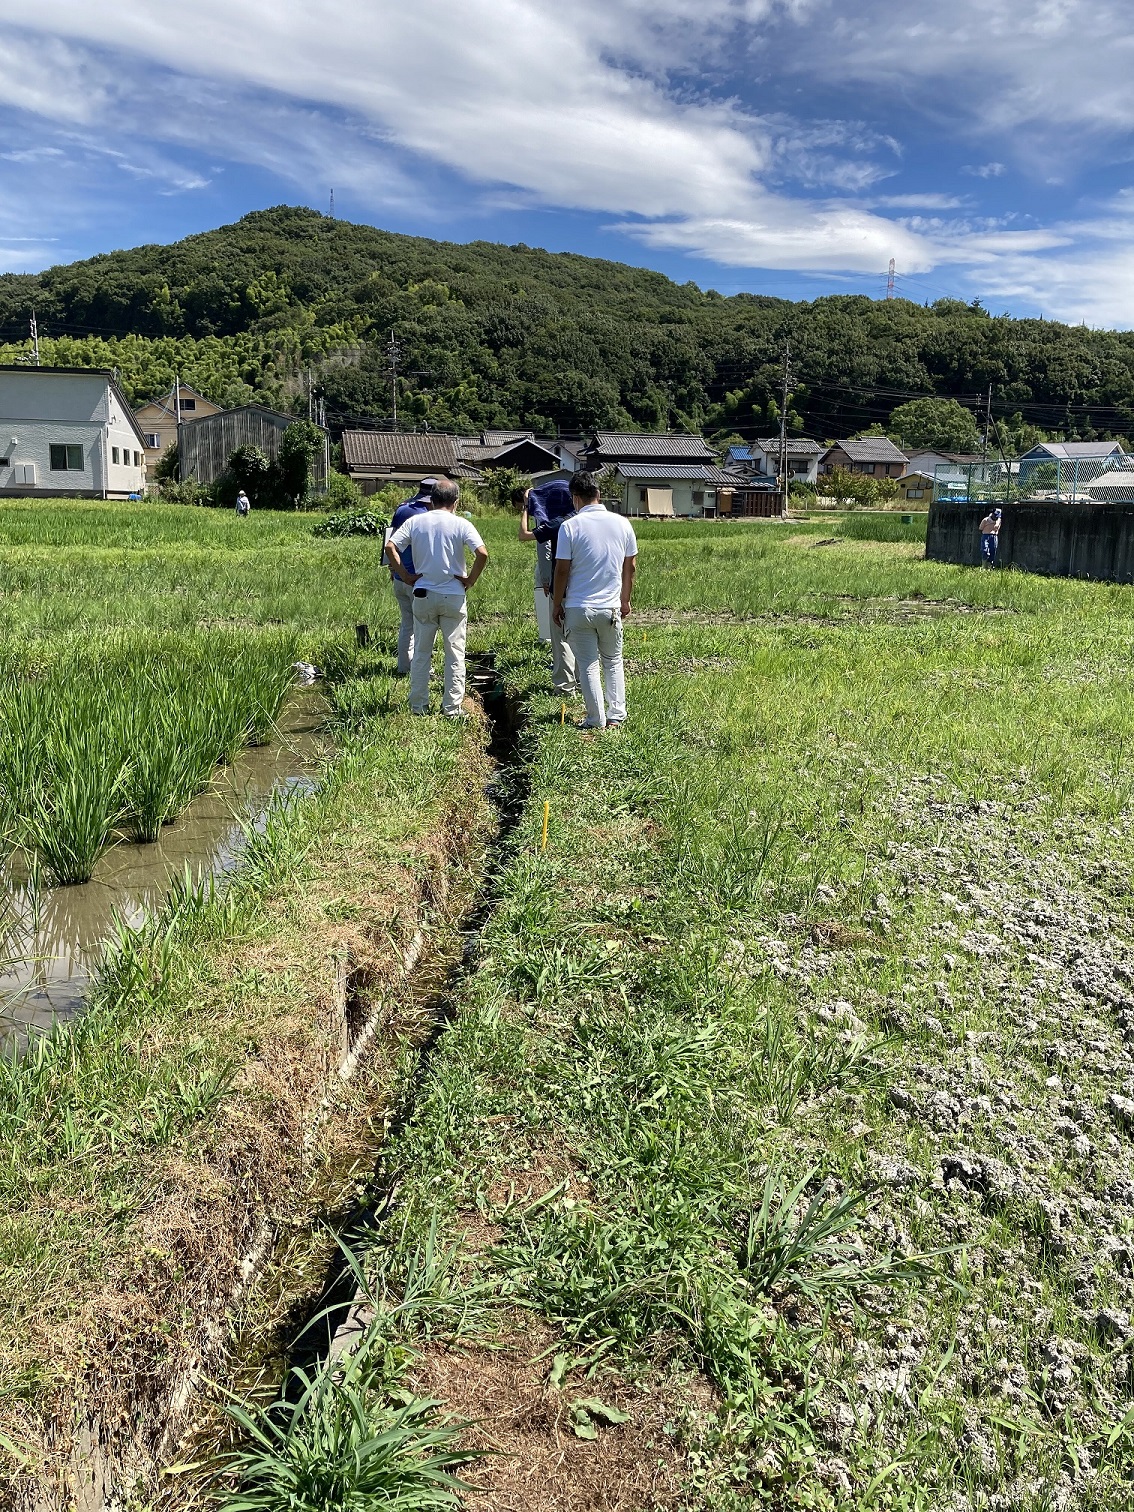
(137, 459)
(66, 459)
(643, 496)
(153, 440)
(114, 455)
(188, 404)
(915, 493)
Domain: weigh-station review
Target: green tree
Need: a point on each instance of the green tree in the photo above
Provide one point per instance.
(300, 444)
(936, 424)
(499, 485)
(248, 469)
(168, 467)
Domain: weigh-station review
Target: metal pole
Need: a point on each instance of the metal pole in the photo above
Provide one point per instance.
(35, 339)
(783, 429)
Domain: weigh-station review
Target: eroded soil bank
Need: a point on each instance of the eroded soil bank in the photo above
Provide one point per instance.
(224, 1126)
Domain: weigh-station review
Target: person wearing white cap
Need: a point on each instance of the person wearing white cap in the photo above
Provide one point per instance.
(403, 591)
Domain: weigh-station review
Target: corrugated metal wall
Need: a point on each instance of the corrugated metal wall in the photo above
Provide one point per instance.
(204, 446)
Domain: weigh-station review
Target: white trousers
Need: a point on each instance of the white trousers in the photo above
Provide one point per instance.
(433, 612)
(595, 636)
(403, 592)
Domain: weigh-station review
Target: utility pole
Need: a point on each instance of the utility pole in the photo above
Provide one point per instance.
(393, 357)
(987, 428)
(177, 400)
(783, 427)
(35, 339)
(890, 278)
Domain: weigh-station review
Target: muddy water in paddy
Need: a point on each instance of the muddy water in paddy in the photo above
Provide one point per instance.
(49, 952)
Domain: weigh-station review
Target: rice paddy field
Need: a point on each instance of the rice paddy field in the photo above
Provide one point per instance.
(735, 1110)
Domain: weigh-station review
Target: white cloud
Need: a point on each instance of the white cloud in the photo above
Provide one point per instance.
(608, 106)
(566, 104)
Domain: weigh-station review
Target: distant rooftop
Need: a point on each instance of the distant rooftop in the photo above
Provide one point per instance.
(626, 444)
(871, 449)
(797, 446)
(695, 472)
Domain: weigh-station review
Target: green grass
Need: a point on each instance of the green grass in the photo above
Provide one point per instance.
(721, 1040)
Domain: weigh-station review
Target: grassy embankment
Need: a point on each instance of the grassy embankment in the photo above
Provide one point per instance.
(780, 1150)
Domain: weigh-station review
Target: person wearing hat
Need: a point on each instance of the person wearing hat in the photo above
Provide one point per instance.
(990, 537)
(403, 591)
(542, 512)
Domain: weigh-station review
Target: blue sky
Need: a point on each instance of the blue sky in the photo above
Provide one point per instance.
(783, 146)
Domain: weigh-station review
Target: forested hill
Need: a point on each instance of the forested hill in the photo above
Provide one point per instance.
(500, 336)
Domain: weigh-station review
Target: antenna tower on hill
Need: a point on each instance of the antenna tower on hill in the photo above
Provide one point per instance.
(890, 279)
(331, 212)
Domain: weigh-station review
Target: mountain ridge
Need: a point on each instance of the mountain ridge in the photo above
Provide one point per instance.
(492, 335)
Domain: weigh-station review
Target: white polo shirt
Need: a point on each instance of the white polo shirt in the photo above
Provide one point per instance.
(596, 543)
(437, 541)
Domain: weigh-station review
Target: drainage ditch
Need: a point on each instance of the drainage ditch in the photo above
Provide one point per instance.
(321, 1329)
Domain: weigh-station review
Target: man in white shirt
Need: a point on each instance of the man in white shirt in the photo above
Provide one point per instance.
(595, 558)
(438, 542)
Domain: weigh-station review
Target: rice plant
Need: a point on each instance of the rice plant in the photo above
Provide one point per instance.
(126, 731)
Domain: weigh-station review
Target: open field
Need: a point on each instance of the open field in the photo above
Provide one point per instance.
(778, 1150)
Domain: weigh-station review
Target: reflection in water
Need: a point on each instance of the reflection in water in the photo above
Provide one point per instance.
(55, 935)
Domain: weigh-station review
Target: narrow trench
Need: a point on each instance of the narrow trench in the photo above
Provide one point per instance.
(314, 1330)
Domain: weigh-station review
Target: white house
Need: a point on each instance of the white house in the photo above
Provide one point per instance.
(68, 431)
(659, 475)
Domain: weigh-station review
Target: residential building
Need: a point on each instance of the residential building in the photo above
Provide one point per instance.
(517, 449)
(660, 476)
(1115, 486)
(68, 431)
(802, 458)
(916, 488)
(1066, 467)
(375, 458)
(928, 461)
(876, 456)
(158, 419)
(204, 446)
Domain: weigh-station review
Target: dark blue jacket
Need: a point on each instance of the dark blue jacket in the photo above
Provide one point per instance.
(415, 506)
(548, 506)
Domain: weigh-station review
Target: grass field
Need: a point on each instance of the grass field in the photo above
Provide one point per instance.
(779, 1148)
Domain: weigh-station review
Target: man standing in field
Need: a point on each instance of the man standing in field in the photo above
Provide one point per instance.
(595, 558)
(990, 537)
(544, 510)
(436, 543)
(403, 590)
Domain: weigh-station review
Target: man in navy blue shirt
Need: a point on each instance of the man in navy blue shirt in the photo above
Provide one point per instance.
(403, 591)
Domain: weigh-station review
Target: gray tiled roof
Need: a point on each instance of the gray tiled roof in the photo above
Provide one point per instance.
(682, 472)
(871, 449)
(799, 447)
(620, 444)
(499, 438)
(393, 449)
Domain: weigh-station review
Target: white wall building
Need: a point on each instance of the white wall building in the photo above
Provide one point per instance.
(67, 432)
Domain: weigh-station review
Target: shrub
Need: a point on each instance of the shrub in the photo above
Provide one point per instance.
(357, 522)
(342, 494)
(187, 492)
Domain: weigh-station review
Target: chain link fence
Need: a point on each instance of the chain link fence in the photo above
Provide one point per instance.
(1056, 480)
